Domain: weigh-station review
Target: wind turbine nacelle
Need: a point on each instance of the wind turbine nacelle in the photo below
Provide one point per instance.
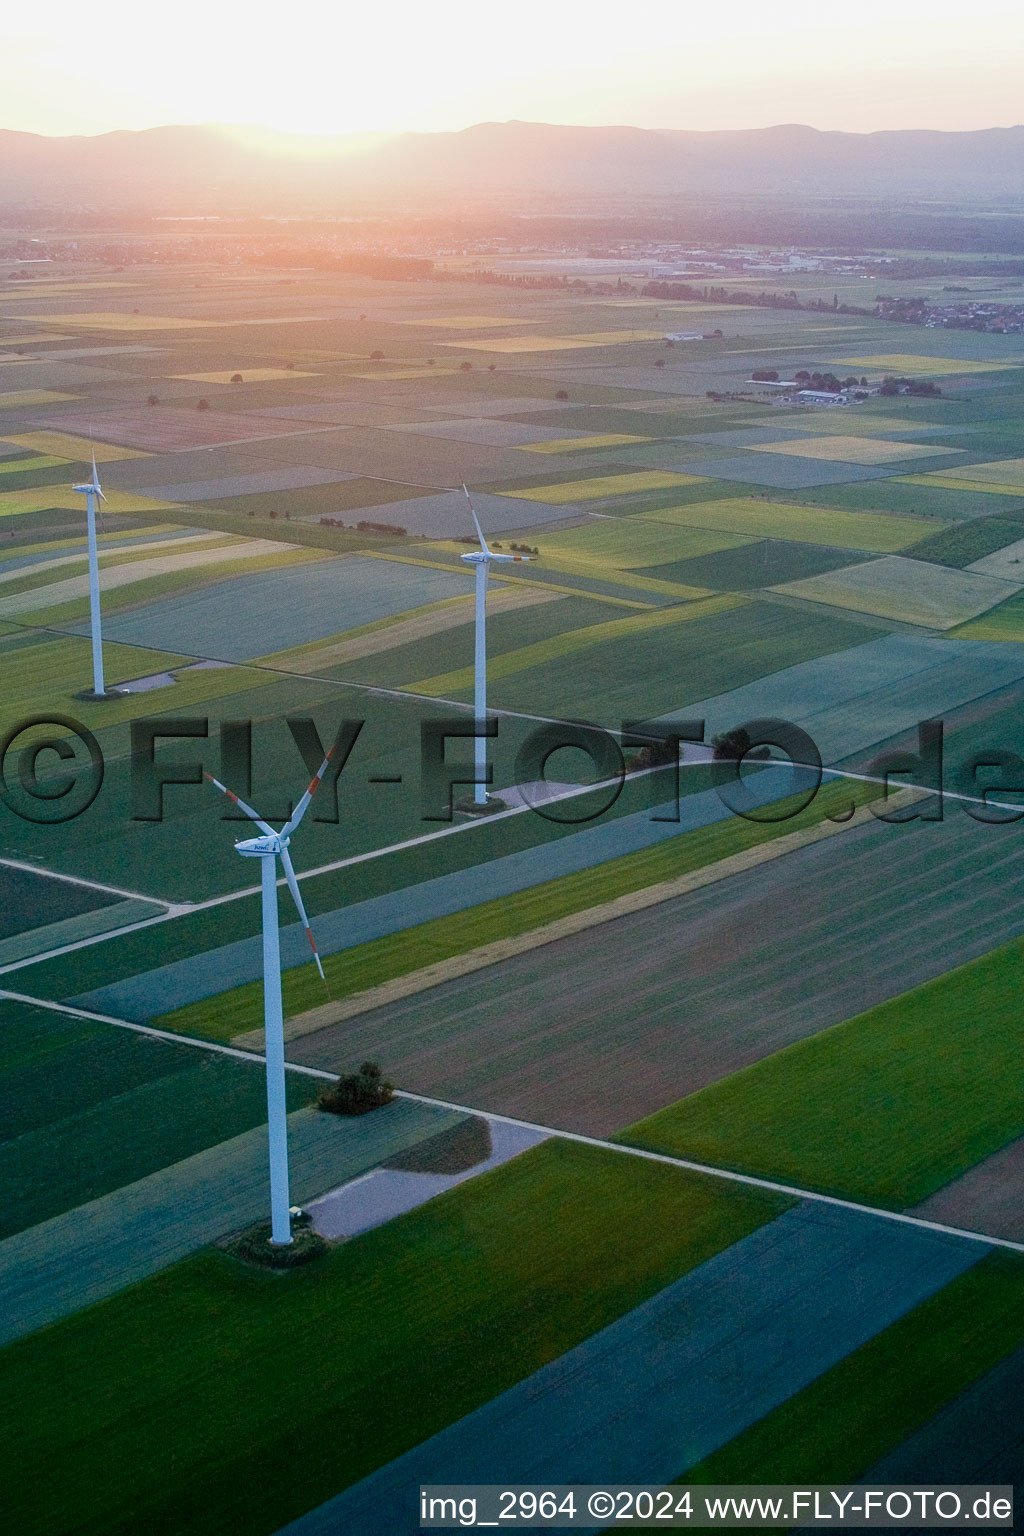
(87, 490)
(478, 558)
(260, 847)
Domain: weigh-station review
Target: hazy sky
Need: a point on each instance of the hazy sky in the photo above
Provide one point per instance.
(324, 66)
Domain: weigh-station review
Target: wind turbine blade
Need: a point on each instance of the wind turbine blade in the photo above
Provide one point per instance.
(293, 886)
(247, 809)
(314, 785)
(476, 521)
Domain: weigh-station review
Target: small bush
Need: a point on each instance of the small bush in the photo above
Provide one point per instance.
(358, 1093)
(204, 405)
(561, 394)
(236, 378)
(255, 1247)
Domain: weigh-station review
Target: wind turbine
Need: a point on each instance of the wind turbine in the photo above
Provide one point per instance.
(268, 848)
(92, 494)
(482, 561)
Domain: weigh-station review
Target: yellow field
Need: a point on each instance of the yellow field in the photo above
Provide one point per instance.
(23, 341)
(13, 503)
(249, 375)
(414, 371)
(578, 444)
(908, 363)
(464, 322)
(849, 450)
(606, 485)
(54, 290)
(556, 343)
(936, 482)
(1000, 471)
(16, 397)
(109, 320)
(17, 466)
(68, 447)
(811, 525)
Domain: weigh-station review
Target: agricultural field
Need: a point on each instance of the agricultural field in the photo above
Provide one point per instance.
(817, 991)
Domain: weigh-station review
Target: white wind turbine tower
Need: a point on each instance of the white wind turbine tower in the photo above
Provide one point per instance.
(93, 494)
(268, 848)
(482, 560)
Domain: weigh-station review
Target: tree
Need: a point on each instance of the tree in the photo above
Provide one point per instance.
(376, 357)
(204, 405)
(561, 394)
(236, 378)
(659, 362)
(466, 367)
(357, 1093)
(152, 399)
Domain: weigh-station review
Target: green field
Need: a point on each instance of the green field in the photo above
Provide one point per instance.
(58, 1149)
(1005, 622)
(555, 649)
(904, 591)
(757, 564)
(966, 542)
(838, 1427)
(665, 669)
(630, 544)
(368, 965)
(885, 1108)
(762, 519)
(391, 1337)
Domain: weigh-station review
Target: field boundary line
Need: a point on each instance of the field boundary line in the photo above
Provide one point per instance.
(92, 885)
(730, 1175)
(396, 990)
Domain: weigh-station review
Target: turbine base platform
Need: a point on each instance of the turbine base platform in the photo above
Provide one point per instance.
(490, 807)
(88, 696)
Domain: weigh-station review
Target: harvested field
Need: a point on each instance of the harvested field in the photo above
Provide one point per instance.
(932, 1066)
(163, 428)
(274, 610)
(261, 483)
(591, 1032)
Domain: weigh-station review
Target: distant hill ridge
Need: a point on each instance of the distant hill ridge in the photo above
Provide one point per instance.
(207, 162)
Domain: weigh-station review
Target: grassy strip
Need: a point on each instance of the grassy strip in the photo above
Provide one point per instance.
(886, 1107)
(34, 577)
(375, 1347)
(250, 524)
(556, 646)
(367, 965)
(838, 1427)
(170, 582)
